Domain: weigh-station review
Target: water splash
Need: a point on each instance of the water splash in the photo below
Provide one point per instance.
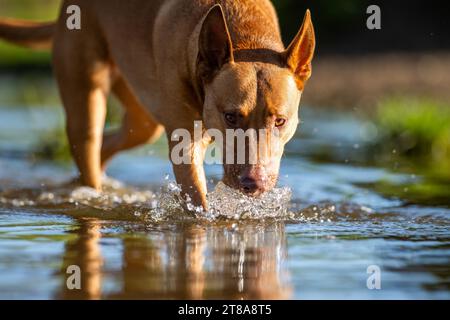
(166, 205)
(229, 203)
(331, 212)
(118, 201)
(114, 195)
(224, 203)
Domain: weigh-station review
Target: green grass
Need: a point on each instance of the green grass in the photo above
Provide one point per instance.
(413, 127)
(29, 89)
(38, 10)
(54, 145)
(13, 56)
(414, 134)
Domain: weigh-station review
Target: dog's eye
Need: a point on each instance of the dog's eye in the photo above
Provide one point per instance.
(279, 122)
(231, 118)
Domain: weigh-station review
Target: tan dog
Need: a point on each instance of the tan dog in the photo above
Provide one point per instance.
(171, 62)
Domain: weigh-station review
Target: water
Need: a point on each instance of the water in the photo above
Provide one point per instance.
(313, 237)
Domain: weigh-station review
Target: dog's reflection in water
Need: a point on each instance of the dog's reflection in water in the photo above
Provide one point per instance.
(85, 252)
(183, 261)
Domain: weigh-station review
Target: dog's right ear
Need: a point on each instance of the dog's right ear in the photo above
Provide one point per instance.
(215, 47)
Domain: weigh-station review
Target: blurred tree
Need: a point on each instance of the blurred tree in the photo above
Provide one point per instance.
(341, 25)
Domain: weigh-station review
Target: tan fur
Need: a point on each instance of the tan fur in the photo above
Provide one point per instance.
(29, 34)
(172, 62)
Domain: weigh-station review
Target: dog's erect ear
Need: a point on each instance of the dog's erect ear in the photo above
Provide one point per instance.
(300, 52)
(215, 48)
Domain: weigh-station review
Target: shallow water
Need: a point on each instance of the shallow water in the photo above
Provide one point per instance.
(134, 241)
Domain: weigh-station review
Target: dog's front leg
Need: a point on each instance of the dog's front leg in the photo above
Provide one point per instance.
(189, 171)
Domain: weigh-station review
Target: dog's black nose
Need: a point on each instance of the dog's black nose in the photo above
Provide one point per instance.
(251, 185)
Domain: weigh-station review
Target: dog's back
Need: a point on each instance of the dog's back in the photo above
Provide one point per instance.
(251, 23)
(149, 40)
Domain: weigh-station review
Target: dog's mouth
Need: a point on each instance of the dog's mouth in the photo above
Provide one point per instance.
(250, 186)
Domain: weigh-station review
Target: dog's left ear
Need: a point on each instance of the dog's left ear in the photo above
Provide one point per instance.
(215, 48)
(300, 52)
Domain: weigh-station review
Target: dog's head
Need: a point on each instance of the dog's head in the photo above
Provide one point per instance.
(256, 89)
